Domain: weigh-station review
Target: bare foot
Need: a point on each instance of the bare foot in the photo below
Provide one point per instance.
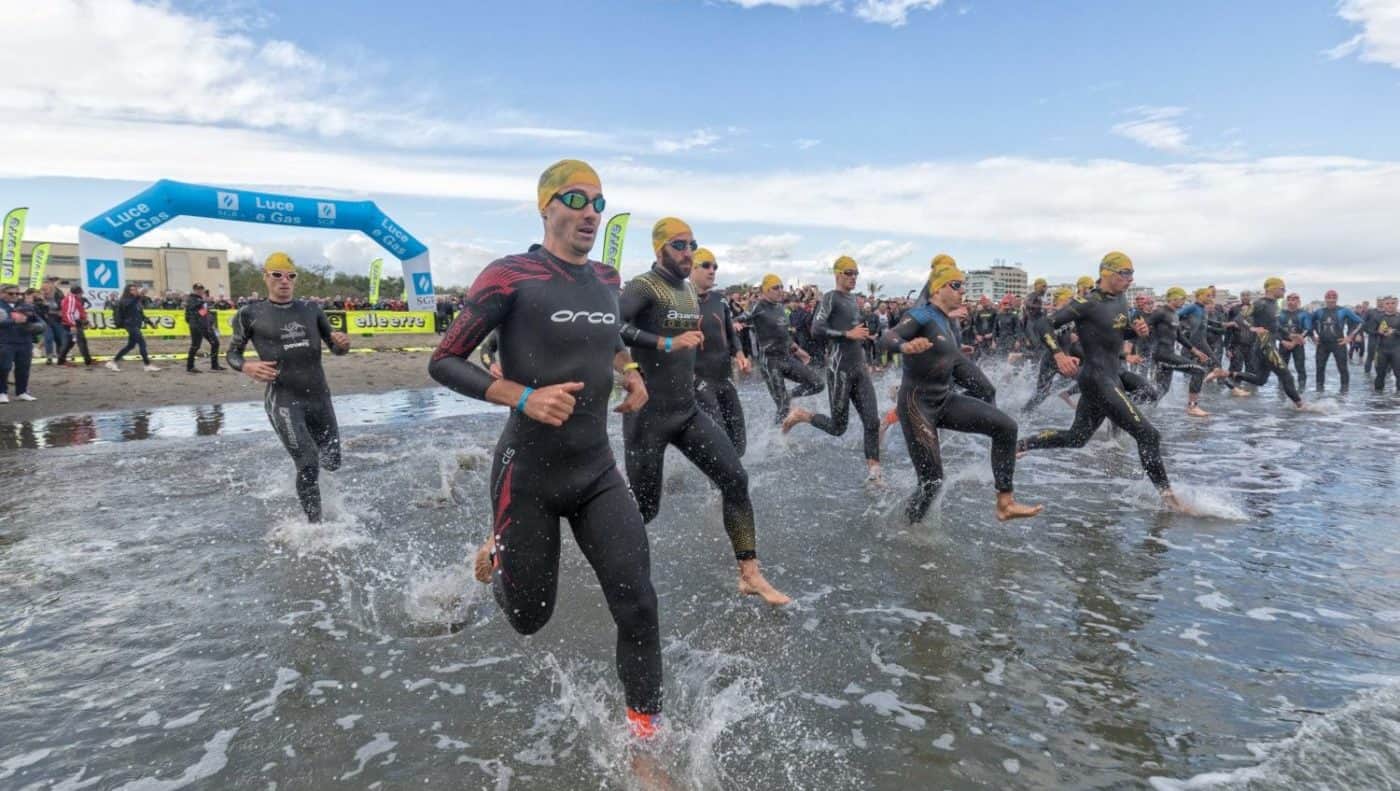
(1176, 506)
(1008, 508)
(1240, 392)
(1194, 410)
(485, 563)
(1218, 373)
(797, 415)
(752, 583)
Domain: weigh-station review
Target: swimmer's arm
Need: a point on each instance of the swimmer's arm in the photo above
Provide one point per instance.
(636, 298)
(906, 330)
(730, 335)
(1070, 312)
(484, 310)
(819, 321)
(239, 341)
(323, 326)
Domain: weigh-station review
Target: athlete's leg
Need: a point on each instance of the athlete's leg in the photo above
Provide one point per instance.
(921, 437)
(1123, 414)
(973, 381)
(731, 412)
(525, 535)
(808, 381)
(838, 395)
(971, 416)
(1044, 379)
(1088, 415)
(644, 440)
(609, 531)
(777, 388)
(320, 420)
(1137, 387)
(288, 418)
(703, 442)
(1163, 378)
(868, 408)
(1300, 364)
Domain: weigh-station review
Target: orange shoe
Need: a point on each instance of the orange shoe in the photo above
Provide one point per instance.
(643, 726)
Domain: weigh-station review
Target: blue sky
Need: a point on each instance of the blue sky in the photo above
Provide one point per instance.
(1212, 142)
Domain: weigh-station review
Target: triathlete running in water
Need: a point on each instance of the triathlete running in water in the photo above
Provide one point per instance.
(557, 316)
(661, 322)
(779, 356)
(847, 374)
(1165, 331)
(1335, 328)
(1388, 350)
(931, 348)
(717, 356)
(1264, 359)
(287, 335)
(1295, 327)
(1101, 319)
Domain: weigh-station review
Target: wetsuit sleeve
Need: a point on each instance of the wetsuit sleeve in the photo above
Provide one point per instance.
(819, 321)
(635, 298)
(907, 329)
(1350, 317)
(1307, 325)
(323, 326)
(242, 331)
(488, 302)
(730, 336)
(1070, 312)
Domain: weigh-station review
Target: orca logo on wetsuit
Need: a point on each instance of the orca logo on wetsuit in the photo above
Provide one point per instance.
(594, 317)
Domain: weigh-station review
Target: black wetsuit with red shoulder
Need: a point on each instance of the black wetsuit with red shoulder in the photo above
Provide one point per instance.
(558, 322)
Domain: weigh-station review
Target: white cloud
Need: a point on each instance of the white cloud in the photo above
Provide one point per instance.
(196, 237)
(894, 13)
(1156, 128)
(804, 143)
(701, 139)
(1379, 39)
(51, 233)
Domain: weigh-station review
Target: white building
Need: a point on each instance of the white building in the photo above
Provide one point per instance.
(996, 282)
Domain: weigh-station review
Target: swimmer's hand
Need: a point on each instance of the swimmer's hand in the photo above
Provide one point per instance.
(858, 333)
(742, 360)
(689, 339)
(340, 341)
(1141, 328)
(1069, 366)
(554, 404)
(637, 394)
(495, 370)
(260, 371)
(916, 346)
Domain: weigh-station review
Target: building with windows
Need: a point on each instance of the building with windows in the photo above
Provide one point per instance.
(996, 282)
(157, 269)
(1134, 291)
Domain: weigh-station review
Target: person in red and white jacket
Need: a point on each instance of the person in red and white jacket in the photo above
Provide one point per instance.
(73, 313)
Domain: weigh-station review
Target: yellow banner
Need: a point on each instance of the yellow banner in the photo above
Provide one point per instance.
(376, 273)
(388, 322)
(38, 263)
(13, 244)
(159, 324)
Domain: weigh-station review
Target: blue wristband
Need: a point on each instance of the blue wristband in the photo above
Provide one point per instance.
(524, 396)
(668, 345)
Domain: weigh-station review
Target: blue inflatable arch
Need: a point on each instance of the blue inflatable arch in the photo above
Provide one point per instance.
(100, 239)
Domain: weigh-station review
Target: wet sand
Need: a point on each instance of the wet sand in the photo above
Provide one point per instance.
(66, 391)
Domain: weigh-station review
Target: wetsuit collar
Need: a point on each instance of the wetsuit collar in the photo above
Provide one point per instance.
(667, 275)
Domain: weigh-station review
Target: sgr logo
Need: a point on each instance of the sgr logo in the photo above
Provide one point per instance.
(595, 317)
(228, 201)
(423, 283)
(101, 273)
(325, 211)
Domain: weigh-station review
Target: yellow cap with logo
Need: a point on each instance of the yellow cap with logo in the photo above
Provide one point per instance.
(1116, 263)
(563, 173)
(666, 229)
(279, 262)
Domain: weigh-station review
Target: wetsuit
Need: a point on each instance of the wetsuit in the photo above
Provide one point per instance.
(558, 323)
(1291, 323)
(298, 401)
(1032, 311)
(714, 368)
(1102, 323)
(1043, 343)
(1199, 325)
(1331, 327)
(201, 323)
(926, 403)
(1165, 332)
(1008, 331)
(847, 375)
(1240, 339)
(775, 361)
(1371, 327)
(984, 325)
(654, 306)
(1264, 358)
(1388, 350)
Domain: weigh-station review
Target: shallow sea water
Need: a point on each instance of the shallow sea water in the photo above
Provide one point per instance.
(167, 620)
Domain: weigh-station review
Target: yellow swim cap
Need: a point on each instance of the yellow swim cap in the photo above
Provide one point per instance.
(843, 263)
(703, 255)
(769, 281)
(1116, 263)
(666, 229)
(942, 261)
(563, 173)
(279, 262)
(1273, 282)
(1202, 293)
(1176, 292)
(1063, 294)
(943, 277)
(1040, 281)
(1084, 282)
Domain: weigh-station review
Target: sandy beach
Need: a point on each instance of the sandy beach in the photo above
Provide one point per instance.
(396, 362)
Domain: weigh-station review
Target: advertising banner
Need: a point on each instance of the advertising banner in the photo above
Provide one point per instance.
(388, 322)
(376, 271)
(172, 324)
(38, 264)
(13, 245)
(613, 236)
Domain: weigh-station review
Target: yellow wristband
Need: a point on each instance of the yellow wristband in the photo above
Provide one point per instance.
(631, 367)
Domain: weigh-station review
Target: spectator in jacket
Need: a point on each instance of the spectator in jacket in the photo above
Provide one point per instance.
(73, 314)
(202, 328)
(131, 316)
(19, 325)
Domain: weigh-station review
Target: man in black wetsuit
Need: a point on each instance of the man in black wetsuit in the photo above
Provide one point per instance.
(661, 322)
(930, 346)
(1334, 328)
(1294, 328)
(287, 334)
(1083, 286)
(201, 324)
(1264, 359)
(1165, 331)
(717, 356)
(1371, 322)
(556, 312)
(1008, 327)
(1101, 320)
(847, 374)
(1048, 340)
(777, 349)
(1239, 339)
(1388, 349)
(984, 326)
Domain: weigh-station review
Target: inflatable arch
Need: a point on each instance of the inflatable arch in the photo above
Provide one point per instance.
(100, 239)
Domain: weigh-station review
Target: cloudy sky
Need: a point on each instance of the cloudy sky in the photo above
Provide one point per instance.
(1214, 142)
